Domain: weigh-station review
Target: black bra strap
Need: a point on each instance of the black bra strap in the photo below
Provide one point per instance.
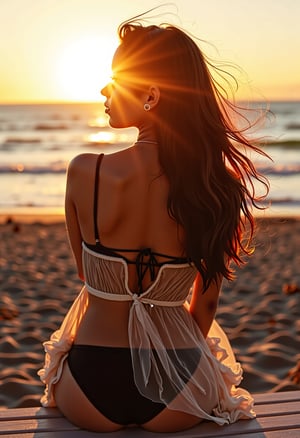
(99, 159)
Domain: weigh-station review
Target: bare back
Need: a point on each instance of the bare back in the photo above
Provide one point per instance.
(132, 214)
(132, 199)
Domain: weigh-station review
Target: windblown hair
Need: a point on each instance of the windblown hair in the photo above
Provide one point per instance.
(200, 150)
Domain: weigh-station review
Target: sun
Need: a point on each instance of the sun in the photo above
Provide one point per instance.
(84, 67)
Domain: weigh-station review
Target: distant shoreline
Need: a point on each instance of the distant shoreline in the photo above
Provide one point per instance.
(31, 218)
(62, 102)
(52, 218)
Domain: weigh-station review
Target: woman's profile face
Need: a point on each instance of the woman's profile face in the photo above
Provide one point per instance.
(124, 100)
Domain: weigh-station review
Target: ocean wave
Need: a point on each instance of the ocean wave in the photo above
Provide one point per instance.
(53, 168)
(284, 201)
(48, 125)
(280, 169)
(286, 144)
(288, 202)
(21, 140)
(51, 127)
(60, 167)
(293, 125)
(32, 205)
(280, 202)
(35, 200)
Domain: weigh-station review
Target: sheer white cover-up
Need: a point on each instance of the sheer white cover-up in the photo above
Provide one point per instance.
(160, 327)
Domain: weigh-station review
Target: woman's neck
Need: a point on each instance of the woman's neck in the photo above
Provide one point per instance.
(147, 135)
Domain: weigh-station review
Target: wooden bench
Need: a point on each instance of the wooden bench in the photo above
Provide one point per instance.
(278, 416)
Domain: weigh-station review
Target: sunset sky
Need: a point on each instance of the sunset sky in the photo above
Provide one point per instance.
(60, 50)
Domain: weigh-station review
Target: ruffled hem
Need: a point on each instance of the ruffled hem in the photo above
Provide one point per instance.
(57, 348)
(234, 403)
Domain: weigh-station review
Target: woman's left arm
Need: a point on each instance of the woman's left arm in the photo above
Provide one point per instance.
(72, 223)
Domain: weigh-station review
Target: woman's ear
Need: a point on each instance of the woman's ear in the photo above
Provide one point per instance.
(153, 96)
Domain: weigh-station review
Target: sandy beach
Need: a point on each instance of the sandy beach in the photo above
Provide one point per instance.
(260, 310)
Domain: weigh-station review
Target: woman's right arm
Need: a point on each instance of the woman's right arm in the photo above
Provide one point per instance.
(203, 306)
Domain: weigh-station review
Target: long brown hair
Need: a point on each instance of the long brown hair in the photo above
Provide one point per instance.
(200, 150)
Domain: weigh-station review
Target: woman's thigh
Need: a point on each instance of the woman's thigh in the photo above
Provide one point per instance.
(171, 421)
(73, 403)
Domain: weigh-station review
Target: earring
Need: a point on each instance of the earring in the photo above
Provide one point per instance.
(147, 107)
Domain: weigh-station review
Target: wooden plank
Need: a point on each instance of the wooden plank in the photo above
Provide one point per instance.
(64, 434)
(276, 397)
(61, 434)
(285, 408)
(205, 430)
(218, 432)
(33, 424)
(291, 433)
(278, 414)
(19, 413)
(259, 425)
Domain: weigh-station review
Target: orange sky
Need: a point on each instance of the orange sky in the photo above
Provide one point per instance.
(60, 50)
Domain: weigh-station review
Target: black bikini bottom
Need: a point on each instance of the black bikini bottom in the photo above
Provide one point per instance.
(105, 376)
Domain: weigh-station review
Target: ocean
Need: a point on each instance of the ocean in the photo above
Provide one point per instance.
(37, 142)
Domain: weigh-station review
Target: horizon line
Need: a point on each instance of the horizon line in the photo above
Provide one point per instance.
(95, 102)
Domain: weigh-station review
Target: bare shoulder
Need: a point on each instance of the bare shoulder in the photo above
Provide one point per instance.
(130, 165)
(119, 168)
(81, 168)
(81, 163)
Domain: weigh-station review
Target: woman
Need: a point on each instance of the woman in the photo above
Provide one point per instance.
(147, 225)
